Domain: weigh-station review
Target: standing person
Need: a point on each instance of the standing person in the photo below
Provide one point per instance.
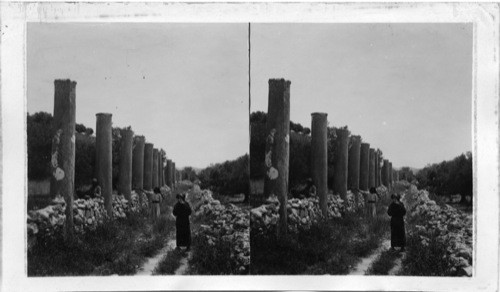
(155, 204)
(182, 210)
(397, 211)
(371, 205)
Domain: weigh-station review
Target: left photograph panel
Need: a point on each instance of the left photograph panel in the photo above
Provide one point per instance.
(137, 147)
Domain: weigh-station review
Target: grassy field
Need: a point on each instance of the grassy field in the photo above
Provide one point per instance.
(332, 246)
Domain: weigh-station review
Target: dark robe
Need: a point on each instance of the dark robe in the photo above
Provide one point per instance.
(183, 230)
(397, 212)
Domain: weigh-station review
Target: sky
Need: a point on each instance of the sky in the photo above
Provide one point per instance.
(405, 88)
(183, 86)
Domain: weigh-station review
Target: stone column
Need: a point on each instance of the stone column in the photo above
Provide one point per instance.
(125, 174)
(169, 173)
(354, 163)
(390, 174)
(104, 158)
(385, 173)
(397, 175)
(278, 147)
(138, 163)
(160, 169)
(372, 169)
(62, 164)
(155, 168)
(340, 163)
(377, 168)
(174, 178)
(319, 167)
(148, 166)
(364, 167)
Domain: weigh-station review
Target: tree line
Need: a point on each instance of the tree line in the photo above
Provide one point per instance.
(40, 132)
(448, 177)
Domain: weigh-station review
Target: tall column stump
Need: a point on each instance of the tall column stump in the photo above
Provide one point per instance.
(278, 147)
(148, 166)
(62, 164)
(364, 167)
(371, 183)
(104, 158)
(125, 174)
(341, 163)
(319, 167)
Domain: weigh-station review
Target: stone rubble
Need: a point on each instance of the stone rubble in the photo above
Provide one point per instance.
(446, 224)
(302, 213)
(227, 222)
(87, 213)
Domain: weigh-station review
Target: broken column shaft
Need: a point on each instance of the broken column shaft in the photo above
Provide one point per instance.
(62, 181)
(354, 163)
(364, 167)
(385, 173)
(148, 166)
(104, 164)
(160, 168)
(138, 163)
(169, 173)
(278, 147)
(125, 178)
(390, 174)
(155, 168)
(340, 163)
(319, 167)
(371, 183)
(174, 178)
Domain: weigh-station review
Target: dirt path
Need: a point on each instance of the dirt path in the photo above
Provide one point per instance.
(397, 266)
(149, 266)
(366, 262)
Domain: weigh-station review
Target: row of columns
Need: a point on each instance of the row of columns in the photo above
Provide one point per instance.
(141, 165)
(356, 167)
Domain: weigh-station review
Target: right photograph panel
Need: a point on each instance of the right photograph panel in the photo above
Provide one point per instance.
(360, 149)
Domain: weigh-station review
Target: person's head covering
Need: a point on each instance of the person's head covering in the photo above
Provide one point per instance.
(157, 190)
(396, 196)
(373, 190)
(178, 196)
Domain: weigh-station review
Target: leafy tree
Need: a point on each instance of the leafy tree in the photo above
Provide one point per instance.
(448, 177)
(188, 173)
(39, 138)
(405, 173)
(228, 178)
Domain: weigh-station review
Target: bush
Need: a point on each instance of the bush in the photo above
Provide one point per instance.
(212, 259)
(330, 246)
(116, 247)
(430, 260)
